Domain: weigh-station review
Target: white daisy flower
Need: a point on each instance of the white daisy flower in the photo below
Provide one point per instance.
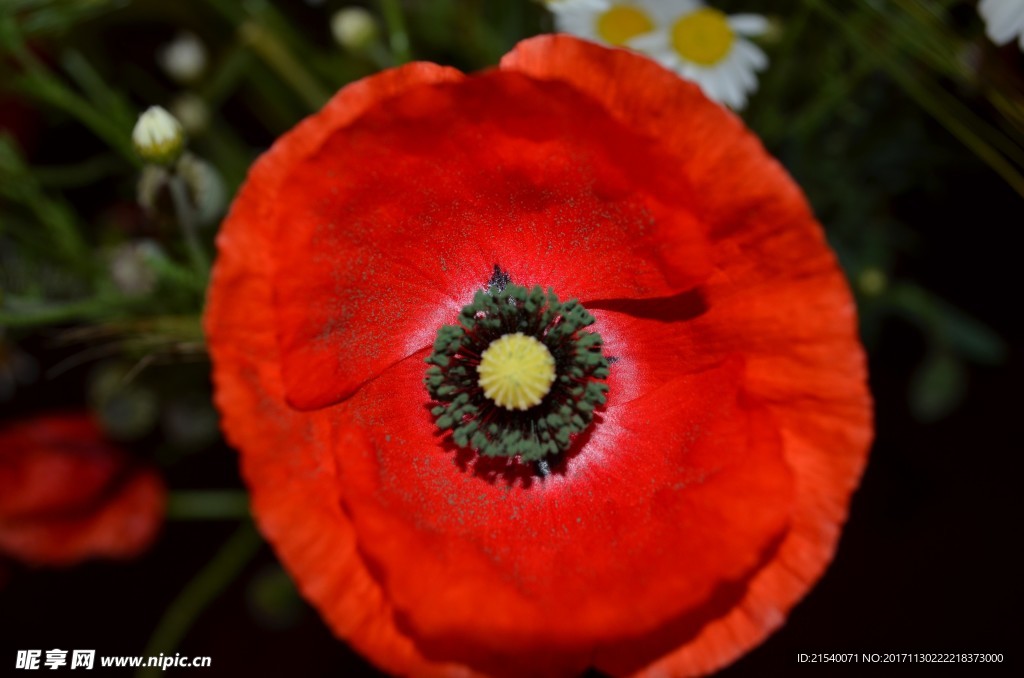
(710, 48)
(1004, 20)
(612, 22)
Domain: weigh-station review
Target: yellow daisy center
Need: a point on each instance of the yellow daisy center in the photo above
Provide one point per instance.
(516, 371)
(622, 23)
(703, 37)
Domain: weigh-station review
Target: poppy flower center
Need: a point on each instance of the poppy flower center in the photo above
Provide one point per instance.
(516, 371)
(703, 37)
(622, 23)
(518, 376)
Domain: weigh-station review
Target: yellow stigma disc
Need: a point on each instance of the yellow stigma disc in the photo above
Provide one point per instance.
(516, 371)
(703, 37)
(622, 23)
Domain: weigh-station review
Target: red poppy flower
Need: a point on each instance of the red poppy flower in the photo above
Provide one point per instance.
(698, 425)
(66, 494)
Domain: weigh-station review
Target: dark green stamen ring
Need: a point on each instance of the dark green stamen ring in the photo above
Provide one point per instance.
(545, 429)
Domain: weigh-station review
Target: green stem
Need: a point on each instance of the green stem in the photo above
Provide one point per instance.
(207, 505)
(202, 590)
(189, 226)
(398, 37)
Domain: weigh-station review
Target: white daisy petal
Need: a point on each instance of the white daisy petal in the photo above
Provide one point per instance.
(655, 41)
(999, 33)
(610, 22)
(748, 24)
(729, 95)
(557, 6)
(747, 80)
(666, 57)
(731, 77)
(1017, 21)
(657, 46)
(578, 17)
(691, 72)
(1004, 19)
(735, 100)
(711, 85)
(751, 54)
(665, 13)
(745, 75)
(995, 11)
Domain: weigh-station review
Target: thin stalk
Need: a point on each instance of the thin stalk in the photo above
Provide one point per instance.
(202, 590)
(189, 226)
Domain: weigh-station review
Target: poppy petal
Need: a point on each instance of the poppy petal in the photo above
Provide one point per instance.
(510, 573)
(797, 400)
(584, 209)
(778, 299)
(286, 464)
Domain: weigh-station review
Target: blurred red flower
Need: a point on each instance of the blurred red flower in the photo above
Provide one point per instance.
(707, 495)
(66, 494)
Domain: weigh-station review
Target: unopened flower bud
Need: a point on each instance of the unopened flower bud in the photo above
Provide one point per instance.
(354, 28)
(184, 59)
(158, 136)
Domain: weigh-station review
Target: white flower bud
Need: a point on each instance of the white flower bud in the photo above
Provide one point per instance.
(184, 59)
(158, 136)
(354, 28)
